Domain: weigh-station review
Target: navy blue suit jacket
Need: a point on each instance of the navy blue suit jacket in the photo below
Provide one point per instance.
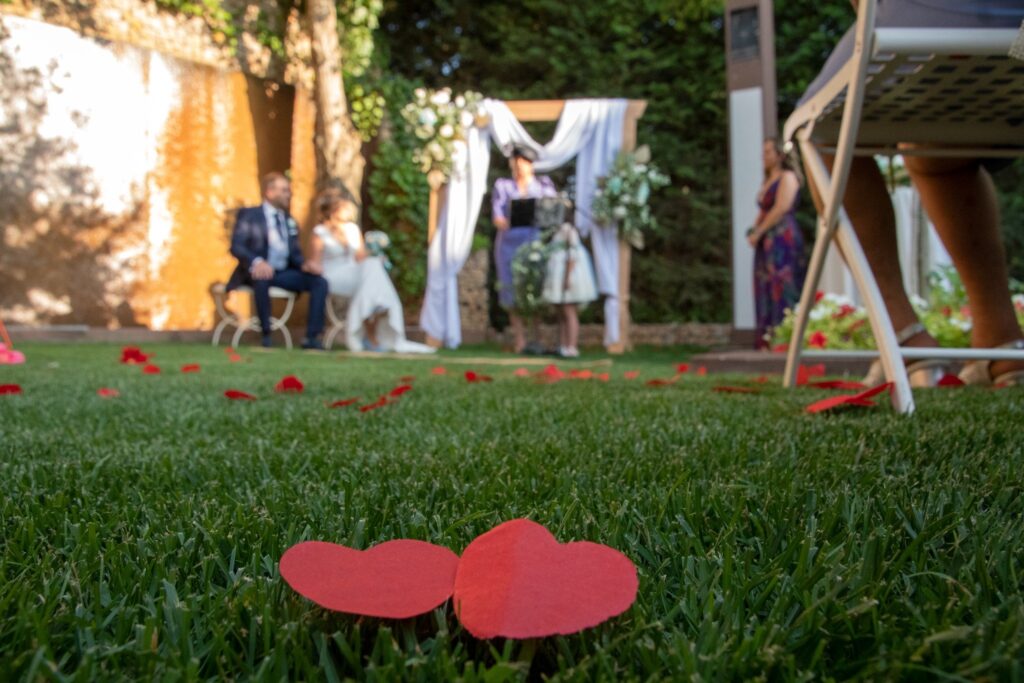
(249, 241)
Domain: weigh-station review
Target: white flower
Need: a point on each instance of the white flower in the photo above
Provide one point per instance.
(619, 212)
(460, 101)
(420, 93)
(446, 131)
(817, 313)
(466, 119)
(441, 97)
(535, 256)
(917, 302)
(428, 117)
(962, 324)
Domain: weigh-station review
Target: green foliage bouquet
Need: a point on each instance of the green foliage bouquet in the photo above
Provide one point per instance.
(438, 119)
(622, 197)
(529, 268)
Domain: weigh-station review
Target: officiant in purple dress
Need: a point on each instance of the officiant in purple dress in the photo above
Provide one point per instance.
(522, 185)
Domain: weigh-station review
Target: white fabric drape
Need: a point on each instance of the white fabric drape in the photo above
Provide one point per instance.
(591, 131)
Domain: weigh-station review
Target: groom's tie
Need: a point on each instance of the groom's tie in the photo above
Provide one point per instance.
(279, 222)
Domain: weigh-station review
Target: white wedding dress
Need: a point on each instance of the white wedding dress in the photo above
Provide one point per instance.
(367, 285)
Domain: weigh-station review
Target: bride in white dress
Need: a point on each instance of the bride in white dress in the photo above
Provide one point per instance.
(375, 321)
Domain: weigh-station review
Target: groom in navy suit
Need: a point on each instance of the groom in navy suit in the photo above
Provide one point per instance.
(266, 243)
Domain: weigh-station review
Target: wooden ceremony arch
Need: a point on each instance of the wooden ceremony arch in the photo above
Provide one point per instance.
(551, 110)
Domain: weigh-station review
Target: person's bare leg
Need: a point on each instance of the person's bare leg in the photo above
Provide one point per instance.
(572, 327)
(869, 208)
(518, 337)
(960, 200)
(370, 326)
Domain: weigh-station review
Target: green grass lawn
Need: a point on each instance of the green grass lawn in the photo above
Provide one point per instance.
(140, 535)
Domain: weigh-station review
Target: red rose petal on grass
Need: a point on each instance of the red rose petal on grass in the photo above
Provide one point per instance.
(236, 395)
(343, 403)
(761, 379)
(603, 377)
(682, 368)
(631, 374)
(950, 381)
(234, 358)
(439, 371)
(407, 379)
(10, 389)
(191, 367)
(861, 400)
(804, 373)
(581, 374)
(521, 372)
(658, 382)
(552, 373)
(133, 355)
(874, 391)
(151, 370)
(105, 392)
(472, 377)
(399, 390)
(289, 384)
(835, 384)
(735, 390)
(379, 403)
(702, 371)
(394, 580)
(518, 581)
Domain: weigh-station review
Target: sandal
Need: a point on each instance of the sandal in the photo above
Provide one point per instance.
(923, 373)
(978, 372)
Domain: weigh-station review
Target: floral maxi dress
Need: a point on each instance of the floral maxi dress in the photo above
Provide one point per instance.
(779, 267)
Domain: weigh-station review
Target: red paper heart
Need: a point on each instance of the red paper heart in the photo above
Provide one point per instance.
(10, 389)
(344, 402)
(192, 367)
(518, 581)
(473, 377)
(399, 390)
(394, 580)
(151, 370)
(236, 395)
(104, 392)
(289, 384)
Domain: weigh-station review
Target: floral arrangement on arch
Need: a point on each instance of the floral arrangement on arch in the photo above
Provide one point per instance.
(438, 119)
(622, 197)
(835, 323)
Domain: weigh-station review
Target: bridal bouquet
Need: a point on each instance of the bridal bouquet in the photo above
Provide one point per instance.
(622, 197)
(438, 119)
(377, 243)
(529, 268)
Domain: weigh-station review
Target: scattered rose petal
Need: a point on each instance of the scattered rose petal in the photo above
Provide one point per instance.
(702, 371)
(407, 379)
(394, 580)
(151, 369)
(191, 367)
(236, 395)
(234, 358)
(10, 356)
(723, 389)
(861, 399)
(682, 368)
(950, 381)
(602, 377)
(804, 373)
(344, 402)
(10, 389)
(518, 581)
(133, 355)
(379, 403)
(399, 390)
(631, 374)
(552, 373)
(835, 384)
(761, 379)
(662, 382)
(439, 371)
(289, 384)
(581, 374)
(473, 377)
(521, 372)
(105, 392)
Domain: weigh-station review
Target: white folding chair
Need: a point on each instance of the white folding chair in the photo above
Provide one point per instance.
(228, 318)
(337, 311)
(954, 92)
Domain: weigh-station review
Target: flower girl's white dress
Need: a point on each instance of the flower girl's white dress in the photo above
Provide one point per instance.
(580, 287)
(369, 289)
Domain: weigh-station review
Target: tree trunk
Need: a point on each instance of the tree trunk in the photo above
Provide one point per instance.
(339, 152)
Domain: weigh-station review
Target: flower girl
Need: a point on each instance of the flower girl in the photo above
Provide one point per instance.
(569, 281)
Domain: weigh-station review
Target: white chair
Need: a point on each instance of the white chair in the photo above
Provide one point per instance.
(955, 92)
(337, 311)
(228, 318)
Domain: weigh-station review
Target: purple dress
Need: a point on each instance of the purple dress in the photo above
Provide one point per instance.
(779, 267)
(508, 241)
